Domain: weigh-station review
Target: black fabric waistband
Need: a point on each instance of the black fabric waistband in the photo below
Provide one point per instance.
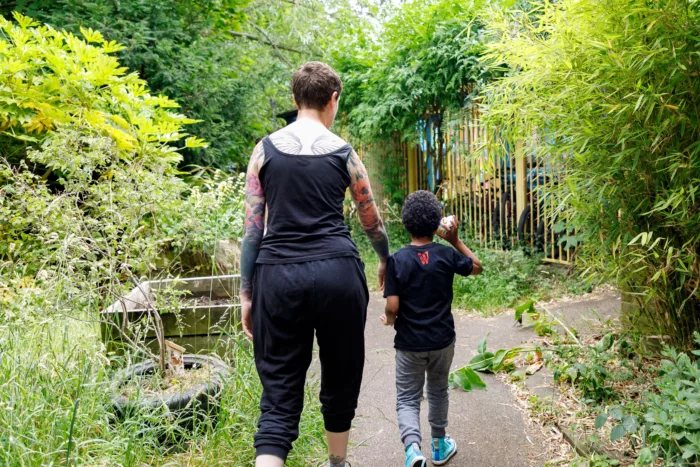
(305, 259)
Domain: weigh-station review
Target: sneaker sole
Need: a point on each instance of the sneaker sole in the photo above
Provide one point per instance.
(419, 462)
(447, 459)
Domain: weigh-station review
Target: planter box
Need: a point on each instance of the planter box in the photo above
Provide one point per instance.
(201, 326)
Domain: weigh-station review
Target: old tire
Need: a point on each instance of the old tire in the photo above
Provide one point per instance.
(197, 398)
(524, 226)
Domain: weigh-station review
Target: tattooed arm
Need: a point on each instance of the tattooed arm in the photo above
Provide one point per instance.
(252, 234)
(367, 211)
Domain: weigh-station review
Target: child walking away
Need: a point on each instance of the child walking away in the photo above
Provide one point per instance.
(418, 292)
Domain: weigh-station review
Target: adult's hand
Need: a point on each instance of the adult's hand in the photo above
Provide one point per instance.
(246, 318)
(381, 273)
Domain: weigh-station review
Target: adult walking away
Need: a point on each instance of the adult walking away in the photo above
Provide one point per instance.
(304, 274)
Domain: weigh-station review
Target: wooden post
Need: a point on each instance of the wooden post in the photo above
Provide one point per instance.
(520, 180)
(175, 363)
(413, 169)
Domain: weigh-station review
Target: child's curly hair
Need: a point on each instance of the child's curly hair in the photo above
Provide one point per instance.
(421, 214)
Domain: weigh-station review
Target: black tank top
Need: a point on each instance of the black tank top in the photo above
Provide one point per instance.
(304, 197)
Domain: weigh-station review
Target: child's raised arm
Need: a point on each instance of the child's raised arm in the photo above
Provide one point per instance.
(452, 236)
(391, 310)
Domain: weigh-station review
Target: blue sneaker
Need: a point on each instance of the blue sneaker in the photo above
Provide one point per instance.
(443, 450)
(414, 458)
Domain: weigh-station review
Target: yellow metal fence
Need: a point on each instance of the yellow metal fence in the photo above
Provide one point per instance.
(500, 193)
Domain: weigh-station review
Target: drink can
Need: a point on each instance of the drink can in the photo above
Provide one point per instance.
(445, 225)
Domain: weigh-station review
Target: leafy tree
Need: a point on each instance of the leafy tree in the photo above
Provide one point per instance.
(49, 79)
(221, 60)
(425, 61)
(97, 190)
(616, 84)
(170, 44)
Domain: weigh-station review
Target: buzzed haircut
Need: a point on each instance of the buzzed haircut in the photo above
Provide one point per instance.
(313, 85)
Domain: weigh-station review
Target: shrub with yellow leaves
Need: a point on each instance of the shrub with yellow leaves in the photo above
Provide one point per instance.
(50, 78)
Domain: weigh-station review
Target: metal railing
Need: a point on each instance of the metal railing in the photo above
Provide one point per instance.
(500, 191)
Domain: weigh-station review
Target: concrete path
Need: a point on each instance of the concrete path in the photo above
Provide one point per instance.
(487, 425)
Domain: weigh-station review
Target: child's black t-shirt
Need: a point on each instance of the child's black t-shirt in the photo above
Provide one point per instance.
(421, 276)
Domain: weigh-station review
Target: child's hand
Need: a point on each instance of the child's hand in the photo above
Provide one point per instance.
(452, 235)
(388, 320)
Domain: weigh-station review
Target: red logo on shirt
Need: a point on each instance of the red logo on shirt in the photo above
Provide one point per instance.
(424, 257)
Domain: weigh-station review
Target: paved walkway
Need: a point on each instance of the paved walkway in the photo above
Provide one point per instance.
(488, 427)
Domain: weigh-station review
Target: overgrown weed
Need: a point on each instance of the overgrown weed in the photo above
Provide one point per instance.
(55, 392)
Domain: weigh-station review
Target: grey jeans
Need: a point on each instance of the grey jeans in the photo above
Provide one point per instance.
(411, 369)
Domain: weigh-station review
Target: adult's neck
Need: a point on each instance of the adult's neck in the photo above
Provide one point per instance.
(317, 116)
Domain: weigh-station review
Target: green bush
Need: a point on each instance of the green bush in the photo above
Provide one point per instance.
(97, 190)
(585, 368)
(174, 44)
(92, 204)
(508, 276)
(427, 62)
(673, 413)
(50, 78)
(612, 93)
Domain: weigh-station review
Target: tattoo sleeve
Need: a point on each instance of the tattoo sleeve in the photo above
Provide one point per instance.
(367, 210)
(254, 221)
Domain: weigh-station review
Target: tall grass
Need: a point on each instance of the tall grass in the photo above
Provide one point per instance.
(55, 398)
(511, 276)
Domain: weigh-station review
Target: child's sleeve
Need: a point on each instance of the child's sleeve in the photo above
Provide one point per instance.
(391, 282)
(463, 265)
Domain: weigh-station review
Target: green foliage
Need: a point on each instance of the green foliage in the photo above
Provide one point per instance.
(669, 410)
(108, 191)
(50, 78)
(594, 460)
(617, 83)
(50, 366)
(201, 54)
(673, 410)
(173, 45)
(526, 314)
(466, 379)
(624, 424)
(595, 369)
(585, 368)
(508, 276)
(127, 217)
(501, 360)
(426, 61)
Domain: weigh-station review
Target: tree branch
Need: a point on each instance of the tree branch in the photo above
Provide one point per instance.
(274, 46)
(264, 41)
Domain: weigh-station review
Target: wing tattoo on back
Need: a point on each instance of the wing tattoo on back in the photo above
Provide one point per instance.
(286, 141)
(326, 144)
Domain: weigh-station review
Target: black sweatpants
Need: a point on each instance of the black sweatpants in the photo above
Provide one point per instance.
(290, 302)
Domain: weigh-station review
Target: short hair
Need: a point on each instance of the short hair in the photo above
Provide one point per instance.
(313, 85)
(421, 214)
